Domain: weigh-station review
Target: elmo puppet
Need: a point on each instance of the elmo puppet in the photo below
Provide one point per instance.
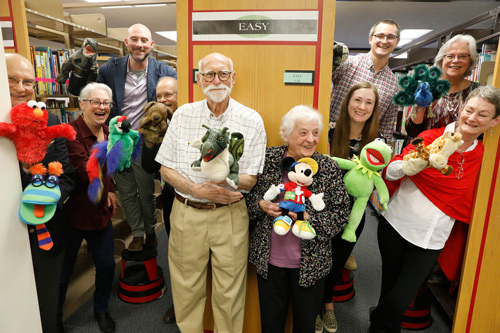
(30, 133)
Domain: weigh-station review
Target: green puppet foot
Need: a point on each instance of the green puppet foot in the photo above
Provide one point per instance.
(349, 235)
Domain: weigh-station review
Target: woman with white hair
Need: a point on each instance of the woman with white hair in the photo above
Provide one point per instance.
(289, 267)
(457, 58)
(86, 220)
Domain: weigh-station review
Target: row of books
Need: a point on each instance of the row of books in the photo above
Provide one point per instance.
(47, 63)
(66, 115)
(488, 53)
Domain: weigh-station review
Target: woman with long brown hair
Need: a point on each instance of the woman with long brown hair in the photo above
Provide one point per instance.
(356, 126)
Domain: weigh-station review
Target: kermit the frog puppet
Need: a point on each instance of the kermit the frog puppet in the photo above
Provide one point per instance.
(362, 178)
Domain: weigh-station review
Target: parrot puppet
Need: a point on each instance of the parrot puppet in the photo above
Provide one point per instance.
(422, 88)
(122, 147)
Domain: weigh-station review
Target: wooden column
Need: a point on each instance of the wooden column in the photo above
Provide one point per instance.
(479, 295)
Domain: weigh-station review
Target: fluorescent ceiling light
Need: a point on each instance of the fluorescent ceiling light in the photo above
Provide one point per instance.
(404, 41)
(93, 1)
(402, 56)
(413, 33)
(152, 5)
(122, 6)
(172, 35)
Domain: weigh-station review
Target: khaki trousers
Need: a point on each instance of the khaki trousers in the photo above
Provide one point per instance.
(196, 236)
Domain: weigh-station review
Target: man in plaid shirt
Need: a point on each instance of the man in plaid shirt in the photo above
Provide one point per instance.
(372, 67)
(209, 220)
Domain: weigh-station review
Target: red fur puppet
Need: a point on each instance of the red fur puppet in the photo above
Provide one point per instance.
(30, 133)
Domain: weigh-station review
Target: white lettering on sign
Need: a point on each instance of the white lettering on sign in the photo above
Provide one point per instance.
(259, 26)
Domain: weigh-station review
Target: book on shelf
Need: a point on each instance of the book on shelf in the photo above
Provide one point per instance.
(47, 64)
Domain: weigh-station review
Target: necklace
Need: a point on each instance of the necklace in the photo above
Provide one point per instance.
(460, 160)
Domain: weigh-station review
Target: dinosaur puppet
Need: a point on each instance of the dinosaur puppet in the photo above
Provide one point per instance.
(122, 147)
(220, 153)
(30, 133)
(362, 178)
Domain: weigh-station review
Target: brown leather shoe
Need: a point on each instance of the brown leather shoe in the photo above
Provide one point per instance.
(169, 316)
(136, 244)
(152, 240)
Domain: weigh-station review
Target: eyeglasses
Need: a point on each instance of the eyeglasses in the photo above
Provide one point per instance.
(51, 182)
(166, 95)
(210, 76)
(26, 83)
(460, 57)
(390, 38)
(96, 103)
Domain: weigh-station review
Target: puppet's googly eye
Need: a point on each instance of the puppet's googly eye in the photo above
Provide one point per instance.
(32, 104)
(392, 150)
(41, 105)
(380, 139)
(52, 181)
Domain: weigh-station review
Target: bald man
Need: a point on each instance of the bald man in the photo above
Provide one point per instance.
(166, 92)
(133, 79)
(47, 265)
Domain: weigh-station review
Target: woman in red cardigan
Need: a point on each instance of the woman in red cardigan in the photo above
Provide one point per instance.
(424, 208)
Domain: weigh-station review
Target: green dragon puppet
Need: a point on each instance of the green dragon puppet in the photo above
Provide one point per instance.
(220, 153)
(362, 178)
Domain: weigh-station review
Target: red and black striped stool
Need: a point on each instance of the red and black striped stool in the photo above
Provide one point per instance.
(142, 282)
(418, 315)
(343, 290)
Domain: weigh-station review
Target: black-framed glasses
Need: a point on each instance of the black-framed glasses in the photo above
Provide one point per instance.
(26, 83)
(210, 76)
(460, 57)
(390, 38)
(96, 103)
(51, 182)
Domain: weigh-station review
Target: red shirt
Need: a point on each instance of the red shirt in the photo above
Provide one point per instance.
(79, 211)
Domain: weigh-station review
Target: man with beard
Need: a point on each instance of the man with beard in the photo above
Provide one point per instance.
(133, 79)
(209, 220)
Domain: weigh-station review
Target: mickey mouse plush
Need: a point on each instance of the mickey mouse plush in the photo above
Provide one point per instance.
(300, 174)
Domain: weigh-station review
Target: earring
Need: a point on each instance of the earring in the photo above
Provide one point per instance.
(491, 131)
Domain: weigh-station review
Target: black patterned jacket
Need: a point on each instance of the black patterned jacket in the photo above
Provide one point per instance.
(316, 255)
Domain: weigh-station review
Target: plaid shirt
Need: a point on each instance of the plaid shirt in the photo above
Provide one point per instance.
(186, 126)
(358, 69)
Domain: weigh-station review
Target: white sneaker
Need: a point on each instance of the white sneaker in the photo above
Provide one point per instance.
(330, 321)
(319, 325)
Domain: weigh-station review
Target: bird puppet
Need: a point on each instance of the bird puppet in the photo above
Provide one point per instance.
(422, 87)
(30, 133)
(122, 147)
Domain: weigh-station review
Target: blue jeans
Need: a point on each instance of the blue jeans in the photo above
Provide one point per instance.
(101, 246)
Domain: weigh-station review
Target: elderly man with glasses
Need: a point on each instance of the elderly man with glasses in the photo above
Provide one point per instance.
(47, 264)
(209, 220)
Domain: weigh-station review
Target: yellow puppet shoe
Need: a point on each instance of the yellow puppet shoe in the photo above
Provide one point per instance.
(303, 229)
(282, 225)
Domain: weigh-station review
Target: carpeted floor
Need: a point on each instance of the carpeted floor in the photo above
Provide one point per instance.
(352, 315)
